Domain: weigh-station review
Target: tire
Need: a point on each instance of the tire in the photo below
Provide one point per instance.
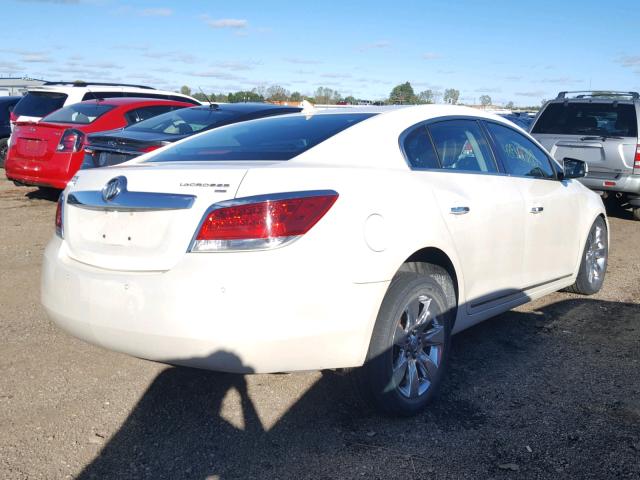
(636, 213)
(593, 265)
(410, 343)
(3, 151)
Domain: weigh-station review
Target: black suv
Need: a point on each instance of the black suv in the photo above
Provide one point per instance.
(6, 105)
(600, 128)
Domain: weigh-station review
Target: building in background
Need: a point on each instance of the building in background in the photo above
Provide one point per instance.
(17, 86)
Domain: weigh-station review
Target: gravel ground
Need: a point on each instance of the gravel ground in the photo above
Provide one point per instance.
(550, 390)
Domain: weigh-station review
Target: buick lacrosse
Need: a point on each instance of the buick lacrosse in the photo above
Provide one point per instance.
(338, 239)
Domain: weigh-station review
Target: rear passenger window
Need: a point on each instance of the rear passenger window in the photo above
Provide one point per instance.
(461, 145)
(144, 113)
(519, 155)
(95, 95)
(418, 149)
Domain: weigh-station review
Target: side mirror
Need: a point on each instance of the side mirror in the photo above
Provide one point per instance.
(574, 168)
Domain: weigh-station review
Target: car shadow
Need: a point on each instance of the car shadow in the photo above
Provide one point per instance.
(44, 193)
(528, 395)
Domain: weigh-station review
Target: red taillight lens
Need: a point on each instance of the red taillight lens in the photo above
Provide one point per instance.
(59, 221)
(13, 118)
(636, 162)
(262, 224)
(150, 149)
(71, 141)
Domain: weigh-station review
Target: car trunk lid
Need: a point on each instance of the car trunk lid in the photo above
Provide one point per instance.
(149, 225)
(37, 140)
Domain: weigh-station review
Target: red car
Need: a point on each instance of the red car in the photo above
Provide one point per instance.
(50, 152)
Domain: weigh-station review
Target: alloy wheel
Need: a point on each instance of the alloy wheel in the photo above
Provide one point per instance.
(418, 345)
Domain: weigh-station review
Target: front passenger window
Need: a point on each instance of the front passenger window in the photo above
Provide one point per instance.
(520, 155)
(461, 145)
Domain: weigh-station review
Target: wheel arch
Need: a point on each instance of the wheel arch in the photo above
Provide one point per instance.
(438, 258)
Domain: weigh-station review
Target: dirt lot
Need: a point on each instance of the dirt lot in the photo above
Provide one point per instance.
(551, 390)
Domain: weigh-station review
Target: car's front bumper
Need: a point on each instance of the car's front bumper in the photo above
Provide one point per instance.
(214, 311)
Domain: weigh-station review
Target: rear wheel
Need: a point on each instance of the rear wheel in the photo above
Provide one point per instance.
(409, 346)
(593, 265)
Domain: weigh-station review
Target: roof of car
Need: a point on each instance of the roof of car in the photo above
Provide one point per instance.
(248, 107)
(124, 101)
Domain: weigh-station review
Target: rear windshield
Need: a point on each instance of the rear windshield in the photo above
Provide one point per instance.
(185, 121)
(588, 119)
(80, 113)
(39, 104)
(276, 138)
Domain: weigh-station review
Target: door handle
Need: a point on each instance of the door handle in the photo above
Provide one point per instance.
(459, 210)
(537, 209)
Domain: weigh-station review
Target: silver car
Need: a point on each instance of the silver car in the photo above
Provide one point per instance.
(600, 128)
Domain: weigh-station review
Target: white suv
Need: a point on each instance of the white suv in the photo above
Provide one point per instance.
(41, 101)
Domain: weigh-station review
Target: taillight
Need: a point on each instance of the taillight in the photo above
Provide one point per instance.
(71, 141)
(150, 148)
(636, 162)
(59, 217)
(13, 118)
(257, 223)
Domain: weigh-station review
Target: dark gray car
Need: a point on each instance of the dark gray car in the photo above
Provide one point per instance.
(600, 128)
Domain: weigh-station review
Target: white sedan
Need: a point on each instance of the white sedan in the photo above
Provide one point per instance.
(345, 238)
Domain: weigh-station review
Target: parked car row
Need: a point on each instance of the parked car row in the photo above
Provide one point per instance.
(52, 131)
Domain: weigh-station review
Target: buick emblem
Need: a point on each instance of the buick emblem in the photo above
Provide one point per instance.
(113, 188)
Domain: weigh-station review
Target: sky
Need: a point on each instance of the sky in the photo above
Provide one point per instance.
(513, 51)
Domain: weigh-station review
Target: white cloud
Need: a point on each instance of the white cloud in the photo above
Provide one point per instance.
(302, 61)
(234, 23)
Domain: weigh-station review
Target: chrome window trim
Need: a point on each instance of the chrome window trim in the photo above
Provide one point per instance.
(500, 173)
(129, 201)
(255, 199)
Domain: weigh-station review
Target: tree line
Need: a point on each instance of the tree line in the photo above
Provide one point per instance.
(402, 94)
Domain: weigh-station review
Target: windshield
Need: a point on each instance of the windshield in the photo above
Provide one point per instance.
(185, 121)
(80, 113)
(275, 138)
(609, 119)
(39, 104)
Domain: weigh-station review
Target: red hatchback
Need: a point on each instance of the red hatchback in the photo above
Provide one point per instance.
(50, 152)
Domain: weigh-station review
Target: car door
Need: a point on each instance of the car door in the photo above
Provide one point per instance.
(482, 210)
(552, 206)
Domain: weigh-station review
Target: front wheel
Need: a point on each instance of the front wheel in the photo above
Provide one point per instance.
(593, 265)
(409, 346)
(636, 213)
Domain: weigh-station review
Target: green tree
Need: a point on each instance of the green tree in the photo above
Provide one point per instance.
(200, 97)
(402, 94)
(351, 100)
(510, 106)
(326, 96)
(451, 95)
(276, 93)
(485, 100)
(185, 90)
(426, 96)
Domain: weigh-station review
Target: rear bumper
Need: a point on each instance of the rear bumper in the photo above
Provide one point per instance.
(216, 314)
(55, 171)
(625, 183)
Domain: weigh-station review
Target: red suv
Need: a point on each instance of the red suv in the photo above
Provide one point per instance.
(50, 152)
